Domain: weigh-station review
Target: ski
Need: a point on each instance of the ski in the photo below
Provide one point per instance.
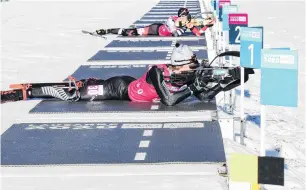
(24, 91)
(38, 85)
(93, 34)
(71, 83)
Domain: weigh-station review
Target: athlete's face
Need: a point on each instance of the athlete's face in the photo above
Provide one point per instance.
(182, 68)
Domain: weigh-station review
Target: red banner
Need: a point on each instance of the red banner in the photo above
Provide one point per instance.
(238, 18)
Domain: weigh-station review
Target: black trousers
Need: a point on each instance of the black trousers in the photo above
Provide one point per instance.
(114, 88)
(152, 29)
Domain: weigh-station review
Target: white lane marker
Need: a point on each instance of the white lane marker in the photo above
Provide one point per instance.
(154, 107)
(144, 144)
(141, 125)
(184, 125)
(147, 133)
(140, 156)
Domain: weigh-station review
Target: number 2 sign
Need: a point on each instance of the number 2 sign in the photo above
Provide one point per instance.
(250, 47)
(236, 21)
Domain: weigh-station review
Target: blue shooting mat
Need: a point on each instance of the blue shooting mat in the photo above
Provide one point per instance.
(161, 17)
(108, 71)
(174, 11)
(178, 1)
(171, 1)
(137, 55)
(150, 14)
(175, 8)
(54, 106)
(110, 143)
(164, 13)
(155, 43)
(179, 5)
(171, 4)
(142, 43)
(105, 55)
(147, 22)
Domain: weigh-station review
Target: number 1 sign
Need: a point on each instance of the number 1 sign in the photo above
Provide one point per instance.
(250, 47)
(236, 21)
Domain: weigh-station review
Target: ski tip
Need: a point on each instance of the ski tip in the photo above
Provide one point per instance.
(93, 34)
(20, 86)
(86, 32)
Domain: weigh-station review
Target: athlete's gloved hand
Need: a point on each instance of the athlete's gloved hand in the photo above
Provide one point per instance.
(196, 87)
(205, 63)
(235, 72)
(199, 84)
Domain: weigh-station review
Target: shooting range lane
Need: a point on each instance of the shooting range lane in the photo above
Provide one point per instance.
(138, 55)
(111, 143)
(32, 143)
(54, 106)
(107, 71)
(201, 43)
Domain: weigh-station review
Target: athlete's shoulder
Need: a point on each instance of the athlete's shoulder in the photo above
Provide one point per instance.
(162, 66)
(158, 68)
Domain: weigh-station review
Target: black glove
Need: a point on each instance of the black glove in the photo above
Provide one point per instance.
(235, 72)
(196, 87)
(205, 63)
(204, 75)
(199, 84)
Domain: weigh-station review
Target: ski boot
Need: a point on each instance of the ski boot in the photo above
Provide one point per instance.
(11, 96)
(102, 31)
(108, 31)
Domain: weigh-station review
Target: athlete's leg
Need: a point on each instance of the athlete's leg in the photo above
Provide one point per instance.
(115, 88)
(60, 91)
(152, 29)
(118, 31)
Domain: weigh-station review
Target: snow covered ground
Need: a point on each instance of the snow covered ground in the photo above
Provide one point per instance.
(41, 41)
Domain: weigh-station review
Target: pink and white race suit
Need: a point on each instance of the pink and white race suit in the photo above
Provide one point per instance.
(141, 91)
(169, 27)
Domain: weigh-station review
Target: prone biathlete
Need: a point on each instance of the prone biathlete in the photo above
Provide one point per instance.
(154, 85)
(174, 26)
